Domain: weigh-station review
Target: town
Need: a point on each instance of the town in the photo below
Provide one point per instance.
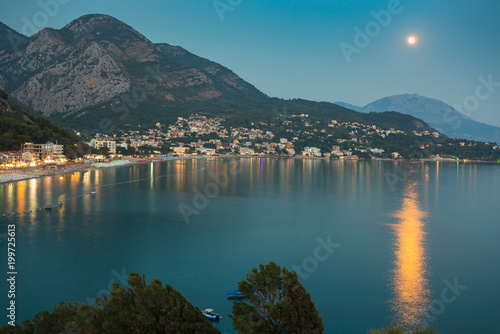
(288, 136)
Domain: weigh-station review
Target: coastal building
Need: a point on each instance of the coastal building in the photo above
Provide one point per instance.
(99, 143)
(246, 151)
(48, 151)
(207, 151)
(28, 157)
(311, 152)
(9, 159)
(122, 145)
(180, 150)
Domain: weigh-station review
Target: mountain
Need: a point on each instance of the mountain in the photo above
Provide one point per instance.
(10, 39)
(348, 106)
(97, 58)
(438, 114)
(97, 74)
(18, 126)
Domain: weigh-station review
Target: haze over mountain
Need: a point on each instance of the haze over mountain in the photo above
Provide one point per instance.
(438, 114)
(98, 73)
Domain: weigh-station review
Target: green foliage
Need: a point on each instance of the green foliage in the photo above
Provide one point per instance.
(277, 303)
(17, 126)
(103, 151)
(129, 151)
(142, 308)
(209, 145)
(149, 308)
(238, 111)
(3, 94)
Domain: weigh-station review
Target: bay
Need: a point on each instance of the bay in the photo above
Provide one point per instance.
(404, 236)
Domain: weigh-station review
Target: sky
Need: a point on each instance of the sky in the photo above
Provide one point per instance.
(321, 50)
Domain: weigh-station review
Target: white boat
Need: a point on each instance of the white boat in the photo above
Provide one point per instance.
(211, 315)
(93, 192)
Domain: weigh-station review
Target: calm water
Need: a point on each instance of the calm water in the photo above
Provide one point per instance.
(403, 234)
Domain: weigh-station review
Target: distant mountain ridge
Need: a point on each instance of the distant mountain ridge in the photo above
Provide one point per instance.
(438, 114)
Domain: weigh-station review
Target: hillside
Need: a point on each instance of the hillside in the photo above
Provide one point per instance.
(18, 126)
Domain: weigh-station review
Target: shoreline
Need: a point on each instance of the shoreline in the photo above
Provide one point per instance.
(28, 173)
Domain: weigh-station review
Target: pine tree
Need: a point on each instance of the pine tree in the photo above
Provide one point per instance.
(276, 303)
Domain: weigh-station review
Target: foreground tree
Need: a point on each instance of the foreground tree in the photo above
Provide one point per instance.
(276, 303)
(149, 308)
(142, 308)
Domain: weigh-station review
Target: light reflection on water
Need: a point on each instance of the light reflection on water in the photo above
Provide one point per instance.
(410, 276)
(268, 210)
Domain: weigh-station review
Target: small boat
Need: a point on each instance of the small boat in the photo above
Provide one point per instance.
(211, 315)
(60, 203)
(235, 294)
(48, 208)
(93, 192)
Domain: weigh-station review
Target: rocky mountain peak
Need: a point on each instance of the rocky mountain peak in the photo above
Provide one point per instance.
(96, 62)
(99, 27)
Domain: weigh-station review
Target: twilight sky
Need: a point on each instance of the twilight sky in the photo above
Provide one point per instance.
(293, 49)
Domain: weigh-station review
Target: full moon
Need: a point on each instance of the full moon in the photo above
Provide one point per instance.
(412, 40)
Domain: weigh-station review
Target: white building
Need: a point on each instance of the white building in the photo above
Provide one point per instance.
(43, 151)
(207, 151)
(98, 143)
(122, 145)
(180, 150)
(28, 156)
(312, 152)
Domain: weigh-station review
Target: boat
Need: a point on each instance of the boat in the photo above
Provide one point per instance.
(235, 294)
(60, 203)
(211, 315)
(48, 208)
(93, 192)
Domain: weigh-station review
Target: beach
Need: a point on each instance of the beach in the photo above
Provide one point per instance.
(18, 174)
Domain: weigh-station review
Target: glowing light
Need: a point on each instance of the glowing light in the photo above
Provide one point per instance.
(410, 275)
(412, 40)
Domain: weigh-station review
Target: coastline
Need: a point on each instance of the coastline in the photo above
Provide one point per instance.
(27, 173)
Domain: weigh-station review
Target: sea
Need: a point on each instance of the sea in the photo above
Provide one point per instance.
(373, 242)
